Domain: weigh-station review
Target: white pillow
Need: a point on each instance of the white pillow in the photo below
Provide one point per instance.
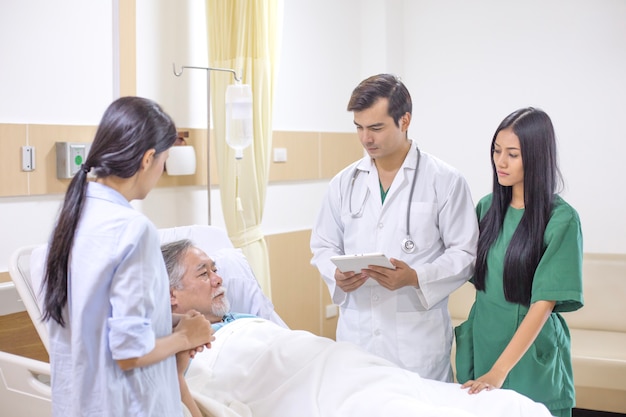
(243, 289)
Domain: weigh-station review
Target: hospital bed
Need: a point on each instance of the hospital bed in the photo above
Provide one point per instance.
(25, 382)
(306, 375)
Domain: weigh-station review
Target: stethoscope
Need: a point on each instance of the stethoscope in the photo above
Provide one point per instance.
(407, 244)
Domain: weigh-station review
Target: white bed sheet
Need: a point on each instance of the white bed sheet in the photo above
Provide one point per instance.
(256, 368)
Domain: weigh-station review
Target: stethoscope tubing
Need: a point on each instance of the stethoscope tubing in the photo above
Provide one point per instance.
(408, 209)
(407, 244)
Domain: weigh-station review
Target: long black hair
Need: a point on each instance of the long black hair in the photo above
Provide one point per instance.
(542, 179)
(129, 128)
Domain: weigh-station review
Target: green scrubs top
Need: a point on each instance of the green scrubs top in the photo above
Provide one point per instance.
(544, 373)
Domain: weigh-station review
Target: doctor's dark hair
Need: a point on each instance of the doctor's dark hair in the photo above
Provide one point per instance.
(542, 179)
(388, 86)
(129, 128)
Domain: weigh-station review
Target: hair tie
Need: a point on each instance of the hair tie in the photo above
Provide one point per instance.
(85, 168)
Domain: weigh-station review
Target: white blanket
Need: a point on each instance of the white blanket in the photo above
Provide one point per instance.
(256, 368)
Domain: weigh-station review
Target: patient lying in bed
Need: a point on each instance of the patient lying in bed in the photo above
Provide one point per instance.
(257, 368)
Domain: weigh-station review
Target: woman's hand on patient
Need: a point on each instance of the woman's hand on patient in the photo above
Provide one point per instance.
(197, 330)
(491, 380)
(192, 333)
(524, 336)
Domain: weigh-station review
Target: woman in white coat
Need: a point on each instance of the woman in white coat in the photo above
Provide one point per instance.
(412, 207)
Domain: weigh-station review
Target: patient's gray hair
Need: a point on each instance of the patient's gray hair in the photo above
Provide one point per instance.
(173, 254)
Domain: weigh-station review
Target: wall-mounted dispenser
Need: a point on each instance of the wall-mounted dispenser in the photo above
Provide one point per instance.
(181, 160)
(70, 156)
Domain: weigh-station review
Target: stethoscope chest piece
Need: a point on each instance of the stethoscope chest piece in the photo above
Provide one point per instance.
(408, 245)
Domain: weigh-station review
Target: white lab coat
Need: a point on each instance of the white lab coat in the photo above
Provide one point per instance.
(410, 327)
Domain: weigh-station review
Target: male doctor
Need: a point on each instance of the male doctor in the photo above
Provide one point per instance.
(415, 209)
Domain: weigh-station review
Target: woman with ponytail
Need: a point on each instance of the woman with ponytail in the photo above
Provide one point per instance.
(106, 289)
(528, 270)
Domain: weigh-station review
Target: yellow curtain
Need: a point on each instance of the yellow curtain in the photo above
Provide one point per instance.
(245, 35)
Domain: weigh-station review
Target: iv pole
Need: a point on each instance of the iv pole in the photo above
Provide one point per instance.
(208, 119)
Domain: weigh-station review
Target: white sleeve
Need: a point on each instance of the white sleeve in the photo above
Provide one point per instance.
(458, 228)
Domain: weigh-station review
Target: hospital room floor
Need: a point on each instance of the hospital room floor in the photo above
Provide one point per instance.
(591, 413)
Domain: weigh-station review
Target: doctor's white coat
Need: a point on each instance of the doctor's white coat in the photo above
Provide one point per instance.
(409, 326)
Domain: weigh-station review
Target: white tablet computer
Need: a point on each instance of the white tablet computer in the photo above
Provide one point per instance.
(355, 263)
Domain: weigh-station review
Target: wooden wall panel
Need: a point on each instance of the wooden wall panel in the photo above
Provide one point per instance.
(302, 156)
(298, 292)
(127, 47)
(44, 137)
(43, 180)
(5, 276)
(19, 337)
(295, 283)
(338, 150)
(13, 181)
(313, 155)
(310, 156)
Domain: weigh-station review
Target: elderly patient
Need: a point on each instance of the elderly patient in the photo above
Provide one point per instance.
(257, 368)
(195, 284)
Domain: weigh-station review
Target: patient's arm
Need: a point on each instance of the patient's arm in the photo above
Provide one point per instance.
(176, 319)
(182, 361)
(521, 341)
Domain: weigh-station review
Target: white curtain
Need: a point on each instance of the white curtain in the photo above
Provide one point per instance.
(245, 35)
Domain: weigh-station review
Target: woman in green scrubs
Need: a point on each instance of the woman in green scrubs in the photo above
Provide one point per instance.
(528, 270)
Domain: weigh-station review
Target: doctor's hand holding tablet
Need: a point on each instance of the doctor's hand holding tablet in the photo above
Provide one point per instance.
(353, 270)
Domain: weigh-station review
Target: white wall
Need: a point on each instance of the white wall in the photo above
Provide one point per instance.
(56, 68)
(57, 61)
(467, 64)
(319, 67)
(175, 31)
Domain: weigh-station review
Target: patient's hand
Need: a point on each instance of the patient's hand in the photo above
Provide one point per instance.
(197, 330)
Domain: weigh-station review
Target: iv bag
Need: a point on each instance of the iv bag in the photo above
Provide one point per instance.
(239, 117)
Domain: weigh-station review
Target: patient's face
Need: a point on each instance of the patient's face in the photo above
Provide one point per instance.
(202, 288)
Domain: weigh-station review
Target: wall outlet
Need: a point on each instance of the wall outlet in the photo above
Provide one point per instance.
(280, 154)
(332, 310)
